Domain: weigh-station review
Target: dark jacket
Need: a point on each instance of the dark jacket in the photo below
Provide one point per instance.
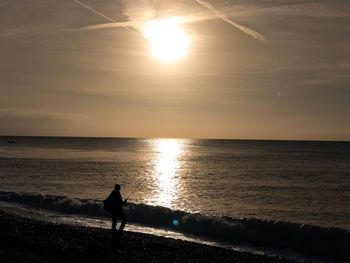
(114, 202)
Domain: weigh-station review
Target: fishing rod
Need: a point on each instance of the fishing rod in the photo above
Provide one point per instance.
(136, 189)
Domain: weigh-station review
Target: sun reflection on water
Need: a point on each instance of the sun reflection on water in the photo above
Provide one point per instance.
(166, 170)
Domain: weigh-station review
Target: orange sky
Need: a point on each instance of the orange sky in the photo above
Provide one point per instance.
(59, 78)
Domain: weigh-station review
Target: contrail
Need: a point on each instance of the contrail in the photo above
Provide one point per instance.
(207, 5)
(95, 11)
(104, 16)
(138, 24)
(244, 29)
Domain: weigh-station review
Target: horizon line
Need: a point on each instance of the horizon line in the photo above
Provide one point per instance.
(180, 138)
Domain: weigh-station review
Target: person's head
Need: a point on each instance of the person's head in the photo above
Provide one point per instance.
(117, 187)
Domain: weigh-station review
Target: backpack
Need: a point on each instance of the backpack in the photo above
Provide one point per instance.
(107, 204)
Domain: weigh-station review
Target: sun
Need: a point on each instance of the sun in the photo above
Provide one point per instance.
(169, 42)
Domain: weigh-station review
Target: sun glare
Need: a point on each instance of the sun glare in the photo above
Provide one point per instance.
(168, 41)
(167, 165)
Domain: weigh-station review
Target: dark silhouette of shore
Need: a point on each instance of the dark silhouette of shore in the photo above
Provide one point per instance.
(25, 239)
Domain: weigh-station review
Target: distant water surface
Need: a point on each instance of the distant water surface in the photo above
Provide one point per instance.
(292, 181)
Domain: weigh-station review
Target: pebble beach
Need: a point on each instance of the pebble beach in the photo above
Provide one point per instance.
(28, 239)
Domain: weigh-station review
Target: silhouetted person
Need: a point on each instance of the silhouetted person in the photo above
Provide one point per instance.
(114, 204)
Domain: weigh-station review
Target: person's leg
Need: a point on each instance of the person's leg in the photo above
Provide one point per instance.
(114, 222)
(123, 222)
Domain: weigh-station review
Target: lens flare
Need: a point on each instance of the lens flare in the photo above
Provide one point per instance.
(176, 222)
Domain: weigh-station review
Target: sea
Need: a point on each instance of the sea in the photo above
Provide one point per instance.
(284, 198)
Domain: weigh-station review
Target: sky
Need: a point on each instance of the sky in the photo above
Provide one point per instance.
(255, 69)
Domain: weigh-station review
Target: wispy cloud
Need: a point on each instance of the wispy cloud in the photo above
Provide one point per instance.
(7, 34)
(139, 10)
(12, 113)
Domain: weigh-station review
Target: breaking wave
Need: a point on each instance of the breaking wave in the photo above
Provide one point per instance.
(329, 242)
